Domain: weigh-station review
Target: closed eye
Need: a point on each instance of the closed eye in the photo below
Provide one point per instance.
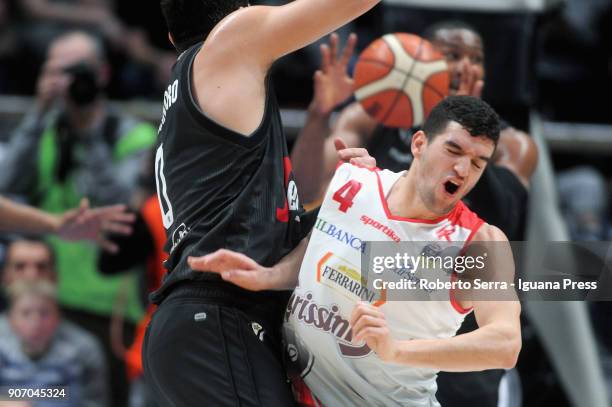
(454, 152)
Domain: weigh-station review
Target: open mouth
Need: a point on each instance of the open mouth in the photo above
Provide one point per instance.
(451, 187)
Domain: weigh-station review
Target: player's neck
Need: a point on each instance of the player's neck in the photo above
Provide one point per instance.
(404, 201)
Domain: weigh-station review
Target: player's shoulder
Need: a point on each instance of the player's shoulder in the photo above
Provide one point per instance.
(490, 233)
(345, 169)
(373, 177)
(233, 26)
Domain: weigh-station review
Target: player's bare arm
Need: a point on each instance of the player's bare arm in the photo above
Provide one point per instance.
(517, 152)
(238, 269)
(236, 56)
(332, 86)
(81, 223)
(494, 345)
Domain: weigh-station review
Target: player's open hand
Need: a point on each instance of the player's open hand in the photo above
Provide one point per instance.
(368, 324)
(355, 156)
(233, 267)
(86, 223)
(332, 83)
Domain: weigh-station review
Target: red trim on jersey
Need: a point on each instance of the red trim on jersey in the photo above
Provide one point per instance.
(303, 395)
(469, 220)
(454, 301)
(383, 200)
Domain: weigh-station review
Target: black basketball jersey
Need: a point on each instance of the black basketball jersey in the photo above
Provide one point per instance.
(499, 198)
(219, 189)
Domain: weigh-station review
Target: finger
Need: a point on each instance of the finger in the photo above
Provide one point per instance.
(349, 49)
(368, 321)
(107, 245)
(319, 86)
(243, 278)
(367, 162)
(333, 42)
(370, 333)
(470, 78)
(362, 309)
(221, 260)
(124, 217)
(325, 58)
(110, 209)
(478, 87)
(114, 227)
(339, 144)
(348, 153)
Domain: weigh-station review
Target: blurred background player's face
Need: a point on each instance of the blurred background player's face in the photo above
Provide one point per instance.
(34, 319)
(463, 49)
(449, 166)
(28, 261)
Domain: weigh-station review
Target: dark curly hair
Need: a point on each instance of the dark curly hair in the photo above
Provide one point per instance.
(190, 21)
(473, 114)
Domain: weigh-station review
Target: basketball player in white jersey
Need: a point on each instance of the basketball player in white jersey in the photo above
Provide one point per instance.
(351, 345)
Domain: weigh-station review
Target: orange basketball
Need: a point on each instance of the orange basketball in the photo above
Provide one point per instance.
(399, 79)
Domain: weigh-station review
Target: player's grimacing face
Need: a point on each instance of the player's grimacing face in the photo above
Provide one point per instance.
(462, 48)
(450, 165)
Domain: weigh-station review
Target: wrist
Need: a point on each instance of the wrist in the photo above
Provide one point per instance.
(317, 111)
(53, 224)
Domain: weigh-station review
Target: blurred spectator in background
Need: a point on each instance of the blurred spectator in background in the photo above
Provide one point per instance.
(39, 350)
(27, 259)
(583, 197)
(74, 145)
(147, 56)
(46, 19)
(9, 48)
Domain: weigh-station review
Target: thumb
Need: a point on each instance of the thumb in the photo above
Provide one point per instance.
(339, 144)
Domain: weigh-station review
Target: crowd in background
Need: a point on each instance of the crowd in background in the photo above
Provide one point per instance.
(71, 312)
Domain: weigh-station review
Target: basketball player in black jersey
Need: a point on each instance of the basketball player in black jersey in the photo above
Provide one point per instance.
(500, 197)
(224, 180)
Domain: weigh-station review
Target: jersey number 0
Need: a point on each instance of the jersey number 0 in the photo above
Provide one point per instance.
(162, 191)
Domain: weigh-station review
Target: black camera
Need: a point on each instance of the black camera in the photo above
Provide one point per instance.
(84, 87)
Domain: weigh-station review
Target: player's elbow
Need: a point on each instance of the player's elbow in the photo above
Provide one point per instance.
(510, 352)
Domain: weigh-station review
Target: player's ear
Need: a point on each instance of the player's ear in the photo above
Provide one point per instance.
(171, 39)
(419, 143)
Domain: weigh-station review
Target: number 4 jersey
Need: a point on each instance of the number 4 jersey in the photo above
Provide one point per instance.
(317, 331)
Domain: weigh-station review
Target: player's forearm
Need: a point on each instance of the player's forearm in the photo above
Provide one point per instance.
(489, 347)
(284, 275)
(307, 153)
(22, 218)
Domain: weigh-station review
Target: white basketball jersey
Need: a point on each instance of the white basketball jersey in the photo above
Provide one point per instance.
(317, 329)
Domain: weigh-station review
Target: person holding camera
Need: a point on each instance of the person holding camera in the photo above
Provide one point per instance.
(72, 145)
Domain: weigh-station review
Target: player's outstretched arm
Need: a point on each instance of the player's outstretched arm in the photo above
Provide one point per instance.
(81, 223)
(332, 86)
(244, 272)
(494, 345)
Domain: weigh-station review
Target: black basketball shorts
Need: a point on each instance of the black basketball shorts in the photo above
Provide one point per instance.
(205, 352)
